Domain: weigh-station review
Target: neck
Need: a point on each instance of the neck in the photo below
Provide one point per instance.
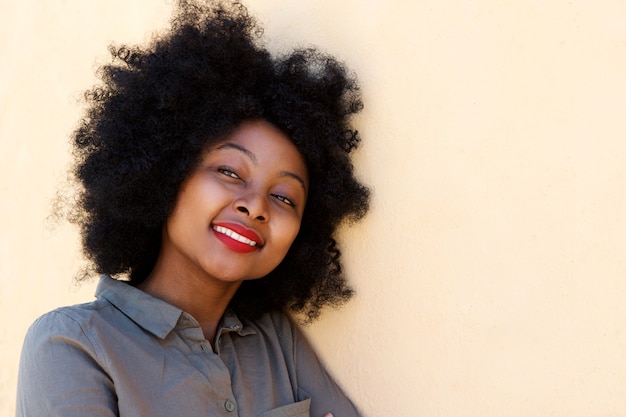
(205, 299)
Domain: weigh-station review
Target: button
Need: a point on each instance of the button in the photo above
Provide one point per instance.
(229, 406)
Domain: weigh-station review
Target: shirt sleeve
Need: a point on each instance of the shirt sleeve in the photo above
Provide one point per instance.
(61, 374)
(314, 382)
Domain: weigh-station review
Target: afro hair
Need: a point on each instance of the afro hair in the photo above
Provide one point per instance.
(160, 106)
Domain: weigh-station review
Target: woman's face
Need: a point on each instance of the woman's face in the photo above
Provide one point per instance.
(239, 212)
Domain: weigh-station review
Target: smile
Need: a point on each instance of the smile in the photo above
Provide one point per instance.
(234, 235)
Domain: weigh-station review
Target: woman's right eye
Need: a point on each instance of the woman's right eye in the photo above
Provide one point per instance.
(229, 173)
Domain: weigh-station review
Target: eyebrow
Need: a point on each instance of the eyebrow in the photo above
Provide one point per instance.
(230, 145)
(295, 177)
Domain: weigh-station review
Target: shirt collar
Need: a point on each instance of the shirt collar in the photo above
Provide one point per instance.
(231, 323)
(152, 314)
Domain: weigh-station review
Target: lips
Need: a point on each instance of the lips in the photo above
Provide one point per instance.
(237, 237)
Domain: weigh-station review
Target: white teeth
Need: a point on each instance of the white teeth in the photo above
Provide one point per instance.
(233, 235)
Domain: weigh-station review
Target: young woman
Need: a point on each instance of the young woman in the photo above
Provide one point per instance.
(212, 178)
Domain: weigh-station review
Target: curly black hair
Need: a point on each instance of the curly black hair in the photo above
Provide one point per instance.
(160, 106)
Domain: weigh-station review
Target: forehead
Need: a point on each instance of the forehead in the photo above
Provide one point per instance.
(264, 144)
(260, 136)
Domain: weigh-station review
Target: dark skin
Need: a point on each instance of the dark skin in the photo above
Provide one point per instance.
(256, 178)
(253, 184)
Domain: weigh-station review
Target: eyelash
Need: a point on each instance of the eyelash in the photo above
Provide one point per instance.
(232, 174)
(229, 173)
(283, 199)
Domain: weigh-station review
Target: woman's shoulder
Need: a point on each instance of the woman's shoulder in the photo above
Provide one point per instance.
(277, 320)
(79, 313)
(68, 322)
(276, 325)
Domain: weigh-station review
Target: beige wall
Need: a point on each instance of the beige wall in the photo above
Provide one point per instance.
(491, 270)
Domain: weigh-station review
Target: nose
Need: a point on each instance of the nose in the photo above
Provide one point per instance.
(252, 205)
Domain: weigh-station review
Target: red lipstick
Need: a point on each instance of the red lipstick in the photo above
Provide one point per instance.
(237, 237)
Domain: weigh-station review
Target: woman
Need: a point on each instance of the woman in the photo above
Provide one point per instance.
(212, 178)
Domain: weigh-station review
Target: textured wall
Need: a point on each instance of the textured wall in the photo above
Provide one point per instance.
(490, 272)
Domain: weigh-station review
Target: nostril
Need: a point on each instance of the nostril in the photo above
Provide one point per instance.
(243, 209)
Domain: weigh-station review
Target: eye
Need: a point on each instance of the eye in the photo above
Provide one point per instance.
(229, 173)
(283, 199)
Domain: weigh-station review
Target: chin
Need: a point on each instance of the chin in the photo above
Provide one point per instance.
(235, 277)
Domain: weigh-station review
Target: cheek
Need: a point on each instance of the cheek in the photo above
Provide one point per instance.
(203, 199)
(288, 232)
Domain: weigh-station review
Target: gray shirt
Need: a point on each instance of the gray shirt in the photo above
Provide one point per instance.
(130, 354)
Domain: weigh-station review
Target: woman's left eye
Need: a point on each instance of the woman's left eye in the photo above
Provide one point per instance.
(229, 173)
(283, 199)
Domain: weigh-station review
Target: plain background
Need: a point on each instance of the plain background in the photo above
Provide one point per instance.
(490, 272)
